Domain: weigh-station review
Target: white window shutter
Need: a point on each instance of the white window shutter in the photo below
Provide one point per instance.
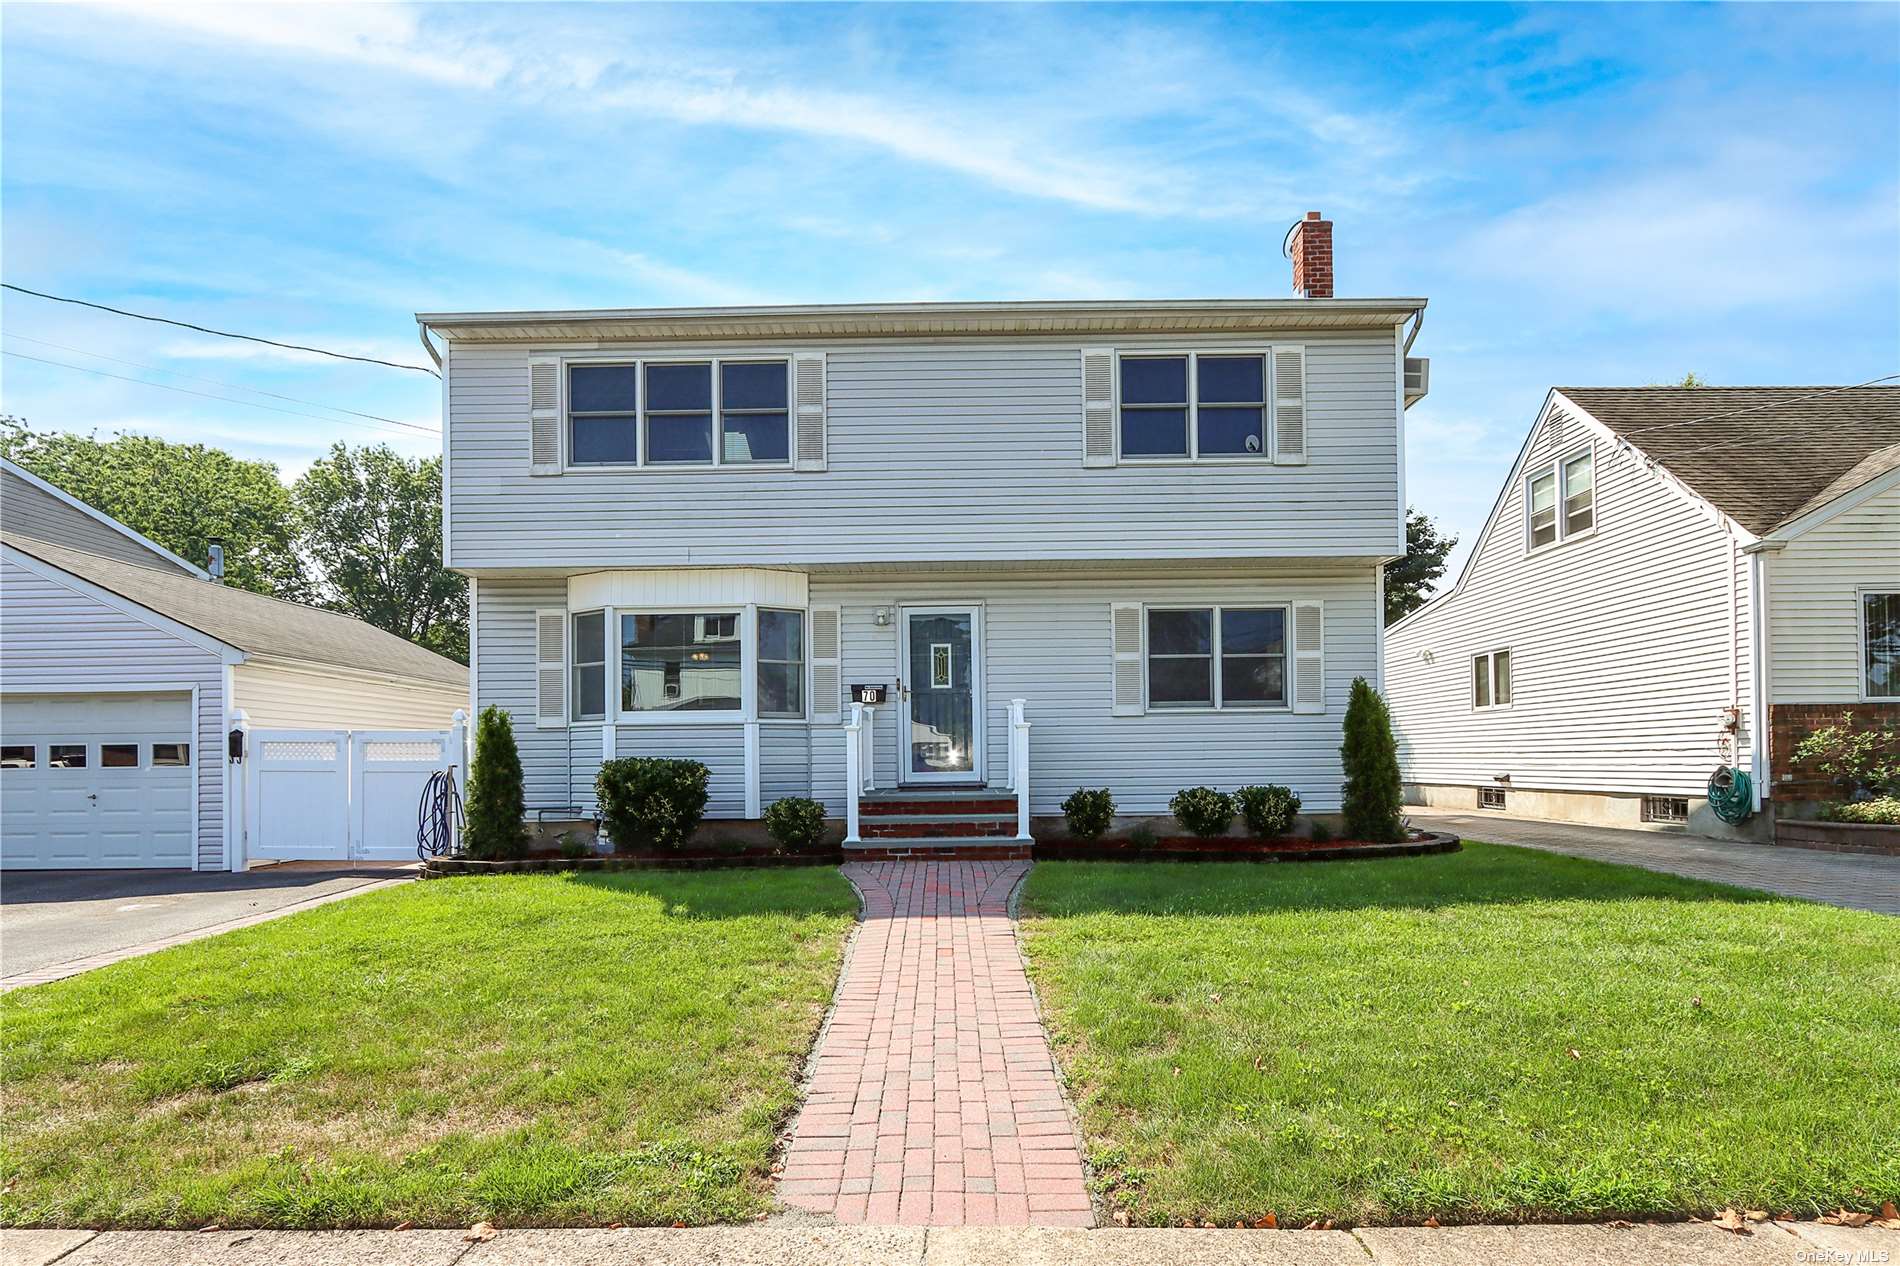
(1126, 634)
(1289, 406)
(544, 417)
(1098, 406)
(808, 388)
(827, 685)
(1309, 657)
(550, 667)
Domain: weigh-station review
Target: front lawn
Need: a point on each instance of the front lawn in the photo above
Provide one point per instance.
(1496, 1034)
(530, 1049)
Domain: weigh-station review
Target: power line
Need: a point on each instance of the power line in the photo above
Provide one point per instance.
(219, 382)
(249, 338)
(249, 404)
(1774, 404)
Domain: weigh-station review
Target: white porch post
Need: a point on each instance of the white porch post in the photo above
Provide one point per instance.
(853, 771)
(457, 752)
(1019, 764)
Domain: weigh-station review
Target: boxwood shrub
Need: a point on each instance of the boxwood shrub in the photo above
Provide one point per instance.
(1203, 810)
(796, 822)
(1090, 812)
(1268, 811)
(651, 802)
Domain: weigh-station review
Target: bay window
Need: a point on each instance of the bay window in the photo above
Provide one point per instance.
(781, 663)
(680, 662)
(590, 666)
(1217, 657)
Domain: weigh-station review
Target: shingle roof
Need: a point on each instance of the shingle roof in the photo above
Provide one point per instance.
(1761, 455)
(249, 621)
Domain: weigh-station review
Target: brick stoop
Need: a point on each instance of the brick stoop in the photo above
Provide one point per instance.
(963, 823)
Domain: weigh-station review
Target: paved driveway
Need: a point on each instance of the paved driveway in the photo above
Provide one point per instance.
(51, 920)
(1852, 880)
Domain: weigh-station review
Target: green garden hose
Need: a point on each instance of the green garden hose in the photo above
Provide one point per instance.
(1731, 795)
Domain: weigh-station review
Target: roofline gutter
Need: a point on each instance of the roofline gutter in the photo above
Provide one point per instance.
(422, 332)
(441, 321)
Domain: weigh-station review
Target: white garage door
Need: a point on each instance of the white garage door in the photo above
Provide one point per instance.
(96, 780)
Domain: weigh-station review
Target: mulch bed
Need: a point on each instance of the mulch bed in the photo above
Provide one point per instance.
(1194, 848)
(544, 861)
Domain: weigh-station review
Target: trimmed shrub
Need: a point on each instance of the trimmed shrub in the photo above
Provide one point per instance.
(651, 801)
(1268, 811)
(796, 822)
(1089, 812)
(495, 817)
(1203, 810)
(1882, 812)
(1371, 797)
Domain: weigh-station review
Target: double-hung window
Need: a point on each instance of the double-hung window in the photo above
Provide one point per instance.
(1217, 657)
(1880, 644)
(781, 663)
(590, 666)
(680, 662)
(710, 412)
(1491, 680)
(1194, 405)
(1560, 499)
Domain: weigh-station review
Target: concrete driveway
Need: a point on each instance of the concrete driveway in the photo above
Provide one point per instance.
(55, 923)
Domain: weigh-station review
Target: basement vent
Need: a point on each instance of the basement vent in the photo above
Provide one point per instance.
(1665, 809)
(1490, 797)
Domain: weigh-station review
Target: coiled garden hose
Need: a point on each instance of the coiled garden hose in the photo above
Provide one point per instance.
(439, 817)
(1731, 795)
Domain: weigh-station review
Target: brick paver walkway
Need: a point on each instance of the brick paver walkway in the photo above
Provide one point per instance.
(1857, 881)
(934, 1100)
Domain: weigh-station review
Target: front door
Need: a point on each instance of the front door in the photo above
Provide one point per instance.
(940, 738)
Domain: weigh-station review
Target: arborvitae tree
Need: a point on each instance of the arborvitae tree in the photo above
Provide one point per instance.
(497, 806)
(1371, 796)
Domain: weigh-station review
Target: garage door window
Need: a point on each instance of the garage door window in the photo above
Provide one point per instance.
(66, 756)
(118, 755)
(167, 755)
(18, 756)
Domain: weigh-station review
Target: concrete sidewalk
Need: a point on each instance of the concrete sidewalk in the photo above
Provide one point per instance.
(1674, 1244)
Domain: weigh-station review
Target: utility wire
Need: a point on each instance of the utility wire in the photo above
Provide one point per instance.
(250, 338)
(219, 382)
(249, 404)
(1775, 404)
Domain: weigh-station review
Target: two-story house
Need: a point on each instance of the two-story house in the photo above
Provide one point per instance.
(1159, 525)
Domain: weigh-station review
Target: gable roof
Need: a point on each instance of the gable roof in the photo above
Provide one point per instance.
(29, 502)
(249, 621)
(1761, 455)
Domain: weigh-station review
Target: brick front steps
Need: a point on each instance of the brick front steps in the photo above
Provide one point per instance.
(940, 824)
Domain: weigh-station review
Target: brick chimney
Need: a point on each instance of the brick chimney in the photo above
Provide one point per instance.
(1310, 245)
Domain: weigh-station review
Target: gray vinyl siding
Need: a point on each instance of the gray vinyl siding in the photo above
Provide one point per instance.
(1620, 645)
(938, 452)
(57, 639)
(34, 512)
(1814, 613)
(1046, 640)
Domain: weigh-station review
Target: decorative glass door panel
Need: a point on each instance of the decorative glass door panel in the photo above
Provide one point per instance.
(942, 741)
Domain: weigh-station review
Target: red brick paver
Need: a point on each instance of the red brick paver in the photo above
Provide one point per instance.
(934, 1101)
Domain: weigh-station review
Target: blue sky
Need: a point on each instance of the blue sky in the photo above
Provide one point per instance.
(1587, 195)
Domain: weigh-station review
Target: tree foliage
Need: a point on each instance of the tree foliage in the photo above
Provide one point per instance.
(370, 529)
(183, 496)
(496, 814)
(1371, 796)
(1408, 581)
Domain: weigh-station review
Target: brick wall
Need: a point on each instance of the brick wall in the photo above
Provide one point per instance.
(1789, 723)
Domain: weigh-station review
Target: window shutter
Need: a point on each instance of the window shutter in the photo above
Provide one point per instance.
(544, 417)
(1127, 700)
(550, 667)
(1289, 406)
(827, 685)
(1309, 657)
(1098, 406)
(808, 373)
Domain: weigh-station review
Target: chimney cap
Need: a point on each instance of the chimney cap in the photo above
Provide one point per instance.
(1312, 215)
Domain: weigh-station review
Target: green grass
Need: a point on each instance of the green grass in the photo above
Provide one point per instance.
(1497, 1034)
(532, 1049)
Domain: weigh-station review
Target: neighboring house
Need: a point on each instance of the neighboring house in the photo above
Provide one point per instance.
(122, 669)
(1160, 524)
(1659, 556)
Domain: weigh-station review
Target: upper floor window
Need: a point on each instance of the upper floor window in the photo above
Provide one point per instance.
(1491, 680)
(1194, 405)
(1217, 657)
(1880, 644)
(1560, 499)
(679, 413)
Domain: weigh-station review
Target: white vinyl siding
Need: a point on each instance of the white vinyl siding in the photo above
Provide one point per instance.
(1620, 643)
(57, 639)
(277, 697)
(935, 452)
(1814, 612)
